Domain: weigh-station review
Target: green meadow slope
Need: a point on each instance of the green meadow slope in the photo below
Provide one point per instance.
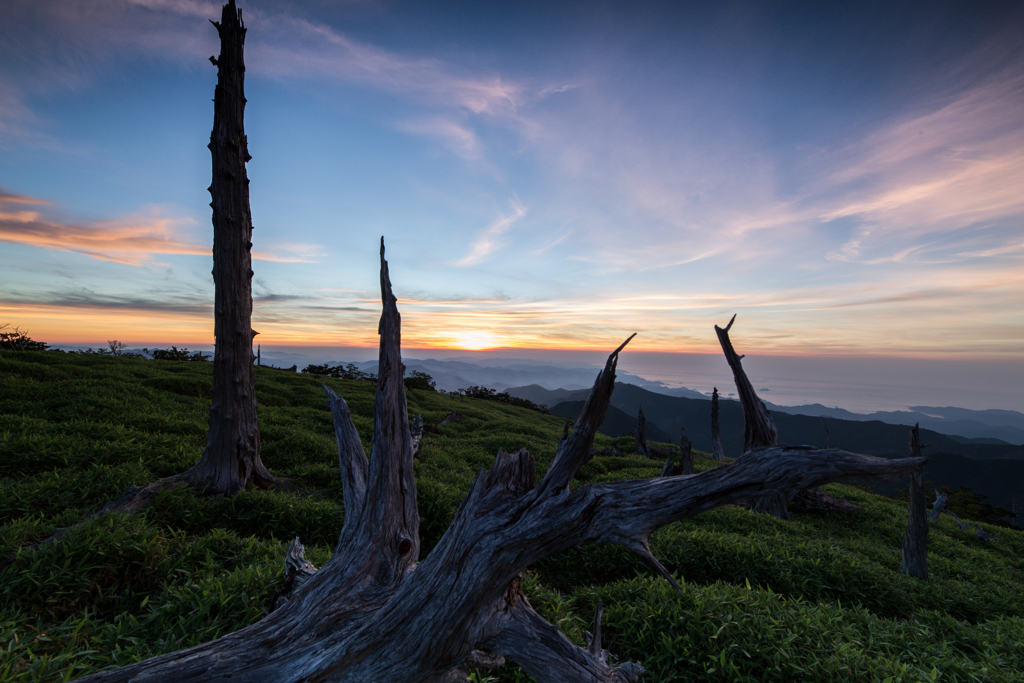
(818, 598)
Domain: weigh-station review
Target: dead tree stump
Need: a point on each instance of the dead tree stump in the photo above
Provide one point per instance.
(373, 613)
(231, 459)
(717, 452)
(641, 434)
(686, 453)
(915, 540)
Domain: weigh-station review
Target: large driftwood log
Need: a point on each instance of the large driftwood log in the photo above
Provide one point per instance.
(717, 452)
(231, 459)
(372, 613)
(915, 539)
(759, 430)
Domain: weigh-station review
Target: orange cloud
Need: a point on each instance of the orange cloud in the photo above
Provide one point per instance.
(133, 240)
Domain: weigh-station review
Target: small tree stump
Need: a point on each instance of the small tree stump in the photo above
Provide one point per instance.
(717, 452)
(915, 539)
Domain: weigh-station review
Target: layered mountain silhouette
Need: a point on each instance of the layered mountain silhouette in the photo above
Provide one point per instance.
(989, 466)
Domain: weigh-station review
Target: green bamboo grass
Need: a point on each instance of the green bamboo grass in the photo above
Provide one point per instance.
(818, 598)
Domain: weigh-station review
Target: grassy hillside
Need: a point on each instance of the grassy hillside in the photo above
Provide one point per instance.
(818, 598)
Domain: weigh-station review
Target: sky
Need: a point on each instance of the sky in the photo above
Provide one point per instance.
(847, 178)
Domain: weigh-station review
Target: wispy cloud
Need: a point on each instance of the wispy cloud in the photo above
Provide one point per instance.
(491, 238)
(958, 165)
(133, 240)
(456, 137)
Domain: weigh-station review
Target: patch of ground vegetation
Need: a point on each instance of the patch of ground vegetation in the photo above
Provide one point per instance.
(817, 598)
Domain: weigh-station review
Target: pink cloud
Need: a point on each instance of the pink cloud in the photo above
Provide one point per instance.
(132, 240)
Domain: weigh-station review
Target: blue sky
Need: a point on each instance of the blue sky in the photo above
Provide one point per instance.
(847, 177)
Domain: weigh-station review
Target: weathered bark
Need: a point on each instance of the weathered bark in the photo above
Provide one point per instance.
(641, 434)
(717, 452)
(759, 429)
(373, 614)
(915, 539)
(984, 535)
(686, 451)
(231, 459)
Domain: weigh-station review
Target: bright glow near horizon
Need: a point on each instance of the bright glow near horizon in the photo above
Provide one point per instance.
(550, 176)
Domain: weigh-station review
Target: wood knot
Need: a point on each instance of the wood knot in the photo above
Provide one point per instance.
(404, 546)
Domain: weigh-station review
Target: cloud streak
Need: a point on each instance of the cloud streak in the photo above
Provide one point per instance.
(134, 240)
(490, 239)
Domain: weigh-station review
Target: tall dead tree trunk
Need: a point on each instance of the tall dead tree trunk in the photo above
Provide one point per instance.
(373, 614)
(717, 452)
(231, 459)
(759, 431)
(641, 434)
(915, 540)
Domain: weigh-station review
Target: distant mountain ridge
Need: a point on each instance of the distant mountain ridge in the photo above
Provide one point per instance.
(616, 422)
(1004, 425)
(997, 470)
(503, 374)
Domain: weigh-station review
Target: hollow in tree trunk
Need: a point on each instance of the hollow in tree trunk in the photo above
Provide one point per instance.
(915, 540)
(231, 459)
(372, 613)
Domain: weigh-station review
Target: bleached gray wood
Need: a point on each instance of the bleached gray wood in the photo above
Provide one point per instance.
(914, 560)
(939, 506)
(297, 569)
(417, 434)
(372, 613)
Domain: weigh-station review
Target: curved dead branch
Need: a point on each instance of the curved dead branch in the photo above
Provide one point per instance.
(759, 430)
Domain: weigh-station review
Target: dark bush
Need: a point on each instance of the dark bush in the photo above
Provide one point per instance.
(503, 397)
(17, 340)
(174, 353)
(349, 371)
(420, 380)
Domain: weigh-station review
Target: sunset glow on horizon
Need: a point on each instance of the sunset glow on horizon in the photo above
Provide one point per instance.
(846, 179)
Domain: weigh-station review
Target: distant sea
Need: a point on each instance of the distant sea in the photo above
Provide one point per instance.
(858, 384)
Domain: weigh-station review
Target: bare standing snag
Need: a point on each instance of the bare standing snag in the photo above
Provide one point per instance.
(231, 459)
(373, 613)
